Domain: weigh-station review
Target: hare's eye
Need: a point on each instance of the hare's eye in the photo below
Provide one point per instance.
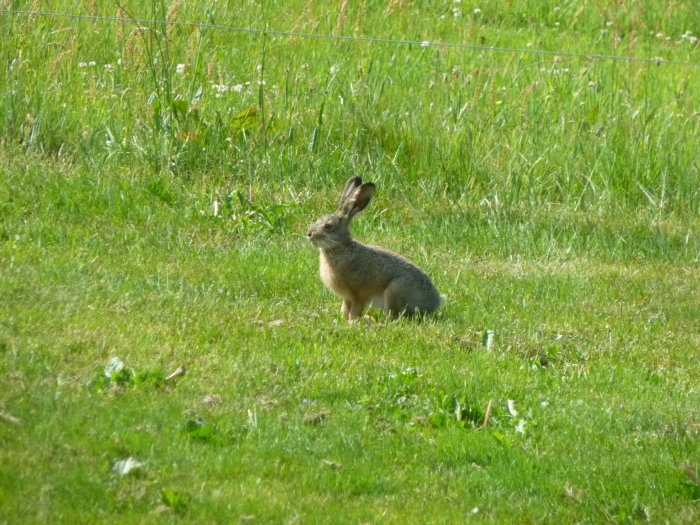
(328, 226)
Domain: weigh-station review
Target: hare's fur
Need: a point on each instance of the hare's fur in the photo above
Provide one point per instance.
(362, 274)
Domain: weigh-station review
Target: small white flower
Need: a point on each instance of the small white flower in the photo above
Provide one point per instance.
(123, 467)
(659, 35)
(92, 63)
(238, 88)
(180, 69)
(529, 44)
(333, 70)
(693, 39)
(477, 11)
(511, 407)
(609, 23)
(108, 67)
(82, 64)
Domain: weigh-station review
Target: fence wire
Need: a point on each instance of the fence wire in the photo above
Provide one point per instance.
(657, 61)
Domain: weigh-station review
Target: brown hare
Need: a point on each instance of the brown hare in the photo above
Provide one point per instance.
(362, 274)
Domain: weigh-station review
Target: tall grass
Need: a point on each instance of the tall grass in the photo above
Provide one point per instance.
(529, 128)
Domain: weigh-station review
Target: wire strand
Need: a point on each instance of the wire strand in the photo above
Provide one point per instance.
(354, 38)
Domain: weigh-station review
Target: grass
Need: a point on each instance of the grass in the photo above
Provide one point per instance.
(156, 213)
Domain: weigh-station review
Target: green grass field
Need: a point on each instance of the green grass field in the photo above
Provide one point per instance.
(156, 184)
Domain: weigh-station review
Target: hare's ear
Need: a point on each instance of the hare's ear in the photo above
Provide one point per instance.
(359, 200)
(350, 186)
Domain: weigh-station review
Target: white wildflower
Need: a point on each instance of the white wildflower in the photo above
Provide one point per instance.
(511, 407)
(180, 69)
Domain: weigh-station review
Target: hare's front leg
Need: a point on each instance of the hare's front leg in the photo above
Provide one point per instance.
(351, 310)
(345, 308)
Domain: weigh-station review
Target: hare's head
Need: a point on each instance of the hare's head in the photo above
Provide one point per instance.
(333, 230)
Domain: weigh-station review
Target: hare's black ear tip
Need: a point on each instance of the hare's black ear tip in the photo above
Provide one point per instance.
(356, 180)
(369, 187)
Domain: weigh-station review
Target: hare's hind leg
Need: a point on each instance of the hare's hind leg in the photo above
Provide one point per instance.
(397, 299)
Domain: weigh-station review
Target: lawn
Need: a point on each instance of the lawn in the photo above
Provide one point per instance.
(168, 352)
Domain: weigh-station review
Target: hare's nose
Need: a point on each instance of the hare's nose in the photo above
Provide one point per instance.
(308, 234)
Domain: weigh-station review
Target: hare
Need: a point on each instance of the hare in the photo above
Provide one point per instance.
(362, 274)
